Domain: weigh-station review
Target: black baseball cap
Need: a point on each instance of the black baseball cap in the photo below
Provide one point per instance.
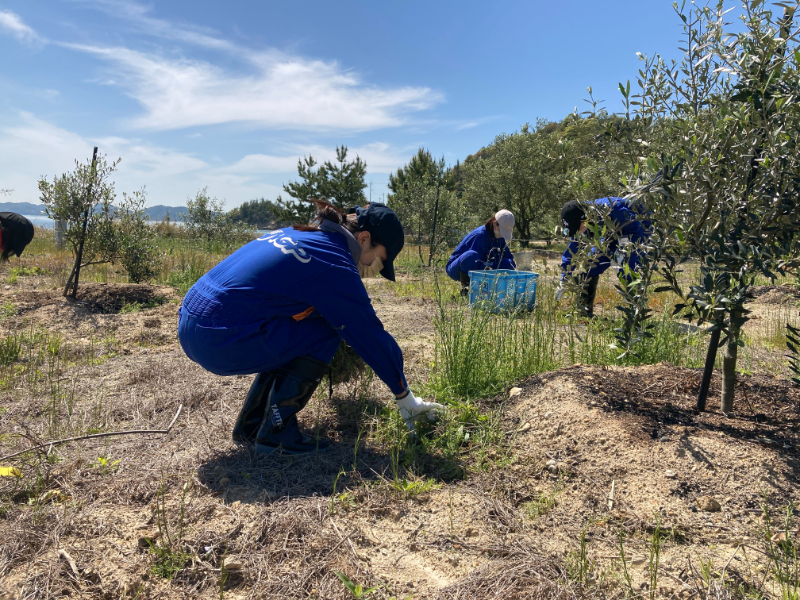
(572, 215)
(20, 229)
(385, 228)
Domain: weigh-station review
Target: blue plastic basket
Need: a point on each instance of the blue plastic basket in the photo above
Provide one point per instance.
(503, 289)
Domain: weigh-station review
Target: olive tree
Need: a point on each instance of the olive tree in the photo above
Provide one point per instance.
(206, 220)
(433, 213)
(97, 230)
(727, 121)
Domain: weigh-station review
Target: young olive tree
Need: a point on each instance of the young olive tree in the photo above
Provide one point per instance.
(96, 230)
(433, 213)
(727, 118)
(136, 239)
(207, 220)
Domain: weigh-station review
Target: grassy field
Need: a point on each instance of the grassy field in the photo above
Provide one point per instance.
(558, 472)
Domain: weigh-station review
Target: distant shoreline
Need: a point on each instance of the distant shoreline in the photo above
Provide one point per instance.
(48, 223)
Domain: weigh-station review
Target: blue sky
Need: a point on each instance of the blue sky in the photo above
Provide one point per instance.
(229, 94)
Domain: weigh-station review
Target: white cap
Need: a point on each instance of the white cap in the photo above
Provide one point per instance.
(505, 220)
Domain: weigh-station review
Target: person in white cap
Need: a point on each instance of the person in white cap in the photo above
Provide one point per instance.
(483, 248)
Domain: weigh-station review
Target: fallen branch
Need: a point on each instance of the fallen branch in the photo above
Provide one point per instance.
(97, 435)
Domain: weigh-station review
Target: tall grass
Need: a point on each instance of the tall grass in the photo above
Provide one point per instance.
(479, 354)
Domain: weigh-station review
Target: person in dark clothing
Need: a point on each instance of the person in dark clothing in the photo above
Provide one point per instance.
(280, 306)
(485, 247)
(16, 232)
(628, 229)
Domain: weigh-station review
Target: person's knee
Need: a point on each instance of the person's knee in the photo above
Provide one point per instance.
(470, 261)
(452, 270)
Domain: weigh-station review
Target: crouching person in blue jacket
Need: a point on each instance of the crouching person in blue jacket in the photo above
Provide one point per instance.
(626, 228)
(279, 307)
(483, 248)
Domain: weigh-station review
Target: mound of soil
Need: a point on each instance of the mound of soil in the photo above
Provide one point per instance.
(774, 294)
(96, 298)
(636, 451)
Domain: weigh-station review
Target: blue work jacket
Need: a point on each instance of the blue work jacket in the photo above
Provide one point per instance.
(622, 214)
(289, 274)
(492, 252)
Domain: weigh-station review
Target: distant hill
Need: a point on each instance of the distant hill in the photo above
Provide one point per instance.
(159, 212)
(22, 208)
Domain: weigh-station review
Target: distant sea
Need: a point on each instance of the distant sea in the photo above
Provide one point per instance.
(47, 223)
(40, 221)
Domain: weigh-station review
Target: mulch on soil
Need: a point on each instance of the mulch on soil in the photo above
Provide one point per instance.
(96, 298)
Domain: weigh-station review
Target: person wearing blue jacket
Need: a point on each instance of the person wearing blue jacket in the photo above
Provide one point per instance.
(483, 248)
(280, 306)
(627, 227)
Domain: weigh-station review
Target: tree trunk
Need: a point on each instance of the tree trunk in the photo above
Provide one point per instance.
(71, 289)
(729, 364)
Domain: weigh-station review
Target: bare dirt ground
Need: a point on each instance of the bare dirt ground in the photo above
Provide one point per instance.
(603, 451)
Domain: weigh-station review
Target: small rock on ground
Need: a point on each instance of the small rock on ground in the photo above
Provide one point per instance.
(708, 504)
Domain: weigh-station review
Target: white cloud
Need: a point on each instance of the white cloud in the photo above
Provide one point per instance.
(139, 15)
(31, 148)
(280, 92)
(264, 163)
(11, 23)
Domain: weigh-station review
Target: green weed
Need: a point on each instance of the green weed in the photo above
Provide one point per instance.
(10, 349)
(7, 310)
(357, 590)
(545, 502)
(169, 555)
(14, 273)
(477, 353)
(781, 551)
(626, 576)
(655, 557)
(105, 465)
(580, 568)
(187, 271)
(410, 488)
(331, 507)
(134, 307)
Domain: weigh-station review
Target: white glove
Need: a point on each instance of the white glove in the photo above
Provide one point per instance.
(560, 292)
(620, 254)
(412, 408)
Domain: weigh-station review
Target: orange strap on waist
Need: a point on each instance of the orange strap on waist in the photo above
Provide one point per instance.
(304, 314)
